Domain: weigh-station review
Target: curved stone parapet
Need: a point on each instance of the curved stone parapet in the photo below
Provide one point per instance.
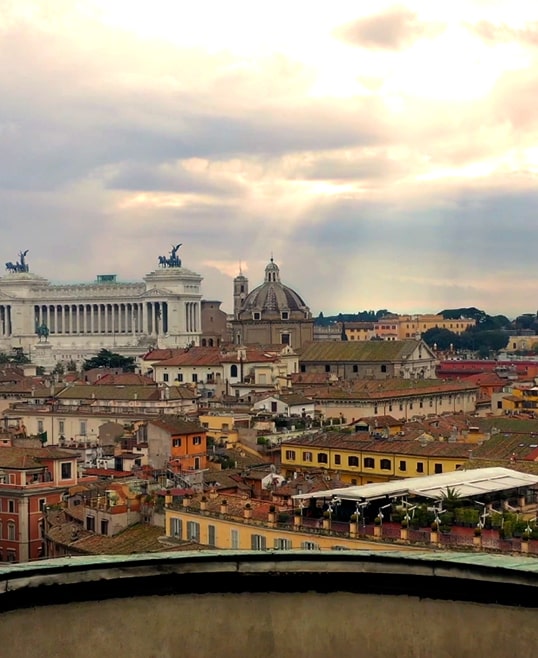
(234, 604)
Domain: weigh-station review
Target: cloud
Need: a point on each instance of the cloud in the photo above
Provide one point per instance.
(394, 29)
(496, 33)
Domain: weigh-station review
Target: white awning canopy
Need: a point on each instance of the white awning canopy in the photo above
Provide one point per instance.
(466, 484)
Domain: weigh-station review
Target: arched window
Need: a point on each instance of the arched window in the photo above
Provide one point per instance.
(210, 342)
(233, 370)
(203, 342)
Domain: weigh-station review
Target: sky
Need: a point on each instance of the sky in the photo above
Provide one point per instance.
(385, 154)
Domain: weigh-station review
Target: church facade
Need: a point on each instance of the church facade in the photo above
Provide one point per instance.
(51, 322)
(271, 314)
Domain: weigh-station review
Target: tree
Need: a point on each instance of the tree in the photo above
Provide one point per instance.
(58, 369)
(442, 338)
(107, 359)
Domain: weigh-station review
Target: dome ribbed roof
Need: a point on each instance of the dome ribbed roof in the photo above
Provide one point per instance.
(273, 297)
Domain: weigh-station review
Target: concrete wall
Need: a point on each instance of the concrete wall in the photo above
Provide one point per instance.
(269, 605)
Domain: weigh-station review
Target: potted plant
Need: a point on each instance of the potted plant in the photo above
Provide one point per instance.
(377, 520)
(478, 531)
(405, 523)
(434, 526)
(354, 518)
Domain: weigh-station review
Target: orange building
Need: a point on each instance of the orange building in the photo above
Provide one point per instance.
(177, 444)
(31, 479)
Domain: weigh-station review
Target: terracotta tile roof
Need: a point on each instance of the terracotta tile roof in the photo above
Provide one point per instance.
(379, 421)
(310, 378)
(124, 379)
(390, 388)
(360, 351)
(505, 446)
(146, 393)
(194, 356)
(31, 457)
(161, 354)
(355, 442)
(178, 426)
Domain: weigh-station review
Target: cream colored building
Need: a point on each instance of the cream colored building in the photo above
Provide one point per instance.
(81, 318)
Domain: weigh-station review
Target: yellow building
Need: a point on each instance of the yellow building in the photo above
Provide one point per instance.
(411, 325)
(247, 524)
(222, 427)
(360, 459)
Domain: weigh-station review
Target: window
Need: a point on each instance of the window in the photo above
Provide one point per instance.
(82, 428)
(337, 459)
(390, 407)
(211, 535)
(256, 315)
(375, 409)
(176, 528)
(323, 458)
(193, 531)
(233, 371)
(258, 543)
(104, 526)
(90, 523)
(42, 502)
(179, 377)
(309, 546)
(303, 367)
(283, 544)
(355, 368)
(403, 465)
(420, 467)
(39, 426)
(438, 468)
(401, 406)
(61, 426)
(327, 368)
(383, 368)
(354, 481)
(352, 461)
(307, 456)
(165, 377)
(285, 315)
(385, 465)
(11, 556)
(176, 443)
(11, 506)
(197, 441)
(369, 462)
(194, 378)
(66, 470)
(235, 538)
(11, 531)
(290, 454)
(285, 339)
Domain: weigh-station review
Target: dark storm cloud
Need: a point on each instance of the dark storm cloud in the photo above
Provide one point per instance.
(393, 29)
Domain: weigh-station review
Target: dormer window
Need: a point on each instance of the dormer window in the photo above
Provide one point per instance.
(257, 315)
(285, 315)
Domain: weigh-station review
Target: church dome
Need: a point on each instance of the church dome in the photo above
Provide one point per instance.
(273, 298)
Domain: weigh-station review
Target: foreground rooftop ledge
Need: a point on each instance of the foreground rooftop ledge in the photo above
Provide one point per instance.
(451, 576)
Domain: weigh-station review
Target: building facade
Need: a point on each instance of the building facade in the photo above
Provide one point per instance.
(70, 321)
(30, 480)
(375, 359)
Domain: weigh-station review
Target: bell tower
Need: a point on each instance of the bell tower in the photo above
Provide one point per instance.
(240, 292)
